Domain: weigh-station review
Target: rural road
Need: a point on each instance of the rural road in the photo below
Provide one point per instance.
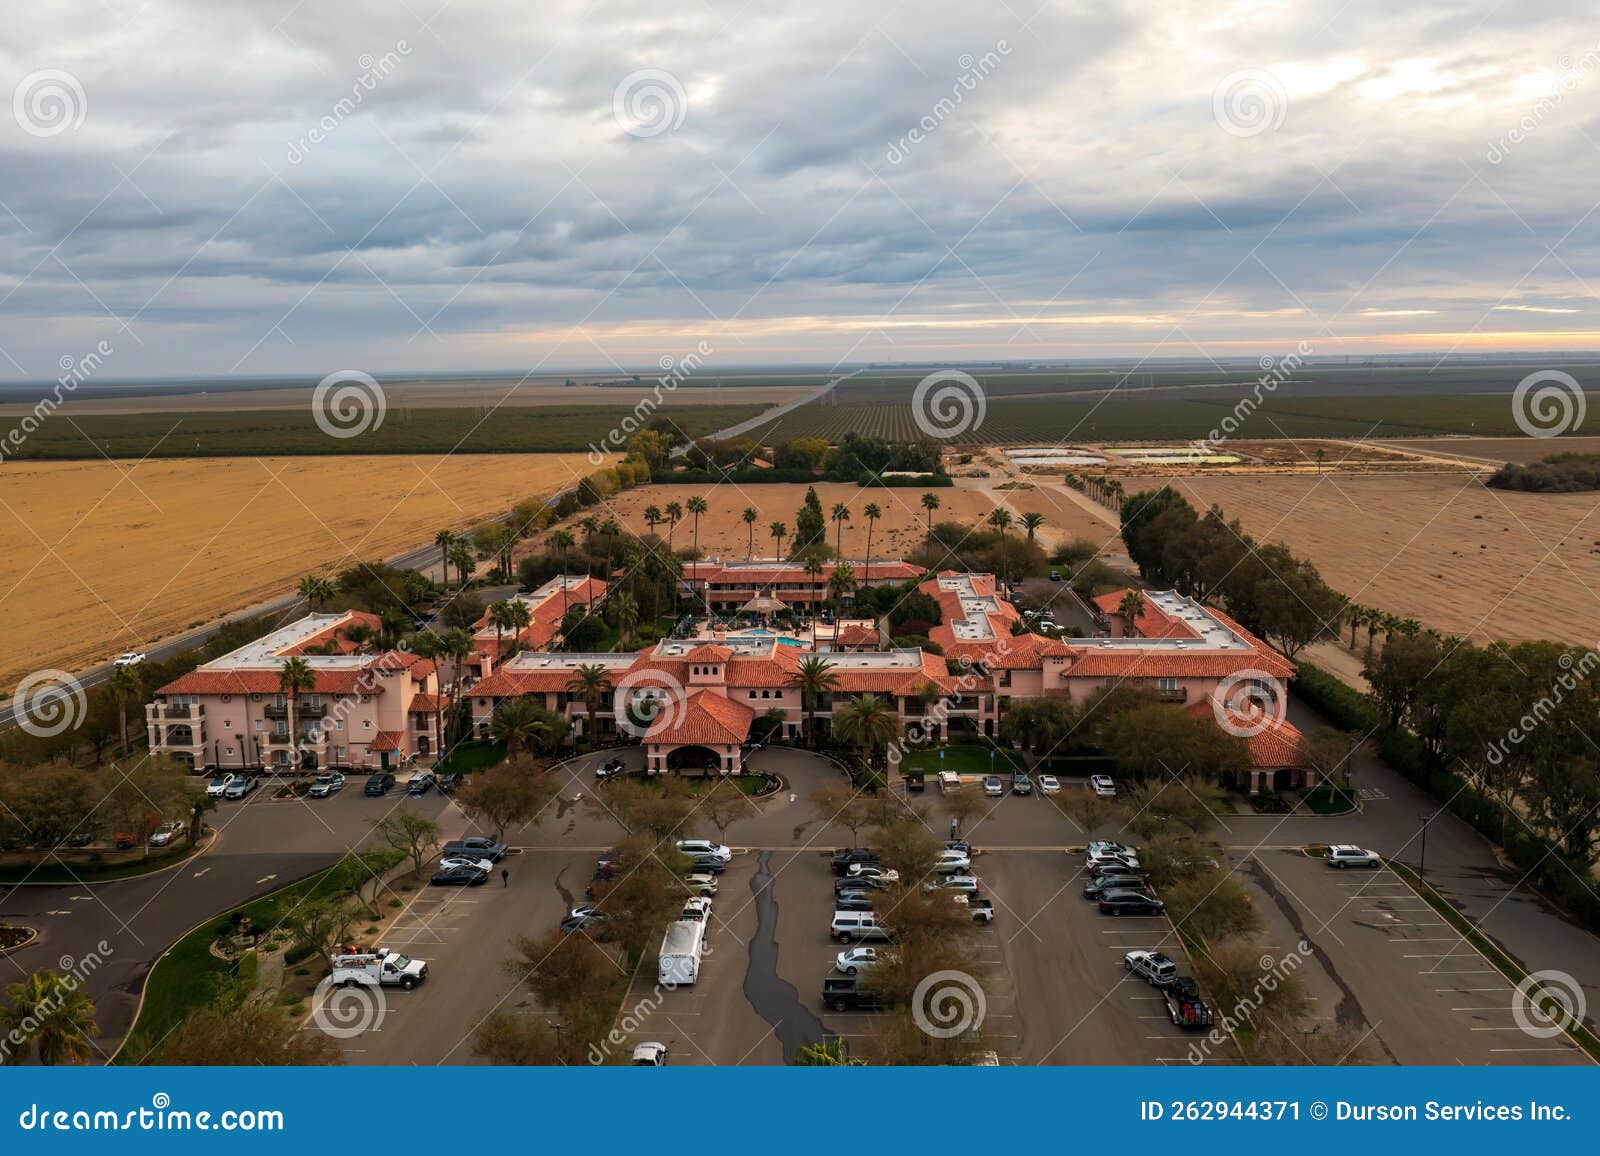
(762, 419)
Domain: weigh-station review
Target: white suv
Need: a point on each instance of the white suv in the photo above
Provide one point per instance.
(704, 847)
(1103, 786)
(1349, 855)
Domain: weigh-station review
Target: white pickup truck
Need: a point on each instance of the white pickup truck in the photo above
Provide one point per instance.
(381, 967)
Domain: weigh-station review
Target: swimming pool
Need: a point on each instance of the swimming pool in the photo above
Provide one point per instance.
(783, 639)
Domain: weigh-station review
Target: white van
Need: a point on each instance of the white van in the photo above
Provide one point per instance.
(681, 948)
(852, 925)
(949, 781)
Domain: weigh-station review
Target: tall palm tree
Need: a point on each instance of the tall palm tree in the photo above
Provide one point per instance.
(316, 591)
(871, 514)
(500, 619)
(518, 723)
(868, 723)
(813, 678)
(393, 622)
(1031, 522)
(1000, 519)
(696, 506)
(294, 679)
(427, 644)
(589, 682)
(778, 530)
(842, 581)
(444, 539)
(464, 560)
(653, 518)
(53, 1015)
(625, 609)
(561, 542)
(457, 646)
(840, 515)
(125, 685)
(930, 503)
(674, 516)
(359, 635)
(1131, 608)
(749, 519)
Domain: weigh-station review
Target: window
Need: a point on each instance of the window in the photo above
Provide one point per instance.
(752, 694)
(1166, 684)
(366, 724)
(227, 698)
(226, 723)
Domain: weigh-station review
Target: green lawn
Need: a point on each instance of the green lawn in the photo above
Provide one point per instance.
(964, 759)
(1330, 801)
(467, 757)
(89, 871)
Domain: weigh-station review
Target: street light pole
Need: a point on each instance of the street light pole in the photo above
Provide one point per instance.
(1422, 859)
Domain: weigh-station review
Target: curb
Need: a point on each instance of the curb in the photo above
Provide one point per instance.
(34, 935)
(216, 837)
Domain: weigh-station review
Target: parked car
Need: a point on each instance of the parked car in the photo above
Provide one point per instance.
(842, 995)
(1156, 969)
(952, 863)
(447, 784)
(607, 867)
(608, 768)
(240, 787)
(326, 785)
(130, 658)
(853, 901)
(856, 959)
(449, 862)
(842, 860)
(1021, 784)
(1103, 869)
(463, 876)
(967, 884)
(217, 786)
(982, 909)
(1103, 786)
(704, 885)
(1348, 855)
(1129, 903)
(848, 926)
(1115, 859)
(696, 907)
(856, 883)
(1098, 887)
(419, 785)
(992, 787)
(1105, 847)
(1049, 785)
(481, 845)
(650, 1055)
(380, 968)
(1185, 1007)
(379, 784)
(709, 863)
(583, 917)
(704, 847)
(916, 782)
(1055, 575)
(165, 834)
(873, 871)
(959, 845)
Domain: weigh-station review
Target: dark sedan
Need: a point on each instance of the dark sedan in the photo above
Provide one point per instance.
(459, 877)
(1129, 903)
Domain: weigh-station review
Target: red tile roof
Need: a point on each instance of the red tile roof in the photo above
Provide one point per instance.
(709, 652)
(352, 681)
(386, 741)
(1153, 622)
(765, 575)
(429, 703)
(705, 717)
(334, 633)
(857, 636)
(1278, 744)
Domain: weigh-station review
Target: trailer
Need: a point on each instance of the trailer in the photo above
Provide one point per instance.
(681, 948)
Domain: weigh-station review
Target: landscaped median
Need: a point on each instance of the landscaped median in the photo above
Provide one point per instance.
(99, 867)
(1557, 1013)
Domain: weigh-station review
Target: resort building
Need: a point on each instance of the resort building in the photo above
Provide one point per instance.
(729, 586)
(547, 608)
(367, 711)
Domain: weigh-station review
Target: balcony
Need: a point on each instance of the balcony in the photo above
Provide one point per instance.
(301, 710)
(162, 712)
(1178, 694)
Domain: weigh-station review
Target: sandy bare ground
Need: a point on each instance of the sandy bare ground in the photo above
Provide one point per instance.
(1441, 548)
(101, 557)
(897, 533)
(1498, 451)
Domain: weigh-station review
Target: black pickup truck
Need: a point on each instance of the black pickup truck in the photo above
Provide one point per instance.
(1185, 1007)
(844, 860)
(842, 995)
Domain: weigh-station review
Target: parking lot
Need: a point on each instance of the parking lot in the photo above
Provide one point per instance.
(1385, 964)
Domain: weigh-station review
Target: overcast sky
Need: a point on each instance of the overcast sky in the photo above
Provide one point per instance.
(262, 186)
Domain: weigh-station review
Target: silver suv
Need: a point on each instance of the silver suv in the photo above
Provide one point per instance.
(1349, 855)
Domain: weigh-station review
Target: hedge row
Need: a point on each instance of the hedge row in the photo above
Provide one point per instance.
(749, 477)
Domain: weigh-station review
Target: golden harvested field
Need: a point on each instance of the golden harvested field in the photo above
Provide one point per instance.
(898, 532)
(1441, 548)
(1498, 451)
(101, 557)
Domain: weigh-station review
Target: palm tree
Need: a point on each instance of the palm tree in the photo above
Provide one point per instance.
(53, 1015)
(465, 562)
(1131, 608)
(871, 514)
(778, 530)
(674, 516)
(125, 685)
(813, 678)
(561, 542)
(930, 503)
(696, 506)
(359, 635)
(1031, 522)
(840, 515)
(1000, 519)
(517, 722)
(456, 645)
(842, 581)
(316, 591)
(294, 679)
(444, 539)
(652, 517)
(393, 622)
(500, 619)
(589, 682)
(427, 644)
(869, 723)
(625, 609)
(749, 519)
